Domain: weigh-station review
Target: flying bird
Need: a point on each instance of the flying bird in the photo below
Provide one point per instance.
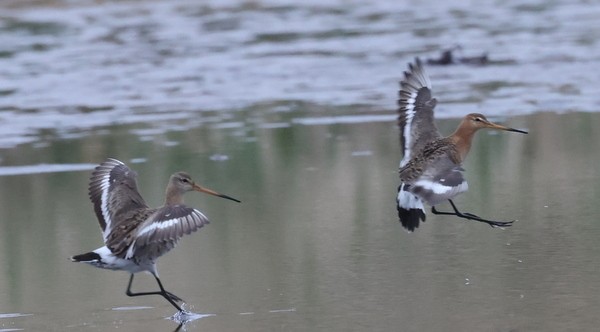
(431, 168)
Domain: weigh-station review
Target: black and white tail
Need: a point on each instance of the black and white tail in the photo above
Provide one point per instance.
(410, 208)
(88, 257)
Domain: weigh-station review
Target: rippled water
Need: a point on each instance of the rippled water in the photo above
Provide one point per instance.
(65, 68)
(290, 107)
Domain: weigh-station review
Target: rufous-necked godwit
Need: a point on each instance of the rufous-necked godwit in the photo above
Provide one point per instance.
(431, 168)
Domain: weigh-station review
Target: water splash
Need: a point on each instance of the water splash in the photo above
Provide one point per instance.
(184, 317)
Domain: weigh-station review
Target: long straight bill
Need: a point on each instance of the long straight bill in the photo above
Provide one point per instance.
(501, 127)
(214, 193)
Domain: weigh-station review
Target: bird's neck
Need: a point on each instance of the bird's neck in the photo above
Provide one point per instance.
(173, 197)
(462, 138)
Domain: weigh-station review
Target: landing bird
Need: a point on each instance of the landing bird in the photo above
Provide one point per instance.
(431, 168)
(135, 234)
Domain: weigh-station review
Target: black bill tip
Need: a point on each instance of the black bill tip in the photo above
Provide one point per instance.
(230, 198)
(517, 131)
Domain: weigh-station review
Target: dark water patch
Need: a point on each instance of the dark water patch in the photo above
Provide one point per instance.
(568, 89)
(279, 37)
(534, 7)
(374, 17)
(286, 37)
(492, 86)
(6, 92)
(34, 28)
(221, 24)
(428, 32)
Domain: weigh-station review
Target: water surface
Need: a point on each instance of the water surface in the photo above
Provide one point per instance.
(290, 108)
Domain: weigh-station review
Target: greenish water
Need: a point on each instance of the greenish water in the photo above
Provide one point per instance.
(289, 106)
(315, 245)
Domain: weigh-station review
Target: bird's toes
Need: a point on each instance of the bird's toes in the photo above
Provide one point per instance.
(174, 297)
(470, 215)
(501, 224)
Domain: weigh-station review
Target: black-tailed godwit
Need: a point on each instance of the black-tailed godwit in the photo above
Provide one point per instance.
(431, 168)
(136, 235)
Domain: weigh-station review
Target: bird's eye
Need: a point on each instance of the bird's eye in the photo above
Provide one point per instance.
(184, 180)
(477, 119)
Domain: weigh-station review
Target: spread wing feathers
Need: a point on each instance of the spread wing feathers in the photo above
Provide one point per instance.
(114, 193)
(160, 232)
(415, 112)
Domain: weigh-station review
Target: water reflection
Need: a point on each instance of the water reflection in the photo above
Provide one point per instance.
(289, 105)
(318, 232)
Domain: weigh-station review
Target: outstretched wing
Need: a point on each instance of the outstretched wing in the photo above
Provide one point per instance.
(415, 113)
(114, 193)
(161, 231)
(417, 128)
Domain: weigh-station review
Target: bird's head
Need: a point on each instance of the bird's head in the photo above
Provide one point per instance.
(181, 182)
(478, 121)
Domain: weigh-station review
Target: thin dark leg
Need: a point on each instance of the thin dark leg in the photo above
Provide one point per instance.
(471, 216)
(172, 298)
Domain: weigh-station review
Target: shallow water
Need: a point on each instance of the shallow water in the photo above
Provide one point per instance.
(290, 108)
(315, 245)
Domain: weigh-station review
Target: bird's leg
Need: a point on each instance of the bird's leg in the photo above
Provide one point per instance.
(172, 298)
(471, 216)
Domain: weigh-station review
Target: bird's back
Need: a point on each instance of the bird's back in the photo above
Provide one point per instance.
(123, 236)
(435, 174)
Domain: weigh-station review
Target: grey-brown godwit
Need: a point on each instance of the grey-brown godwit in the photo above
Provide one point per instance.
(136, 235)
(431, 168)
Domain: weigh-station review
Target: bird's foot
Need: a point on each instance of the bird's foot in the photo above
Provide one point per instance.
(492, 223)
(173, 297)
(470, 215)
(495, 224)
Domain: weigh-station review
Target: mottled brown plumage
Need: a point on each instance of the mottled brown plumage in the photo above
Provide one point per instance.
(431, 168)
(136, 235)
(440, 148)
